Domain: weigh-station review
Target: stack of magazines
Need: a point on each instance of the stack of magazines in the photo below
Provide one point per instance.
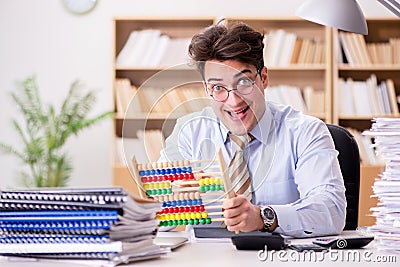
(78, 223)
(386, 132)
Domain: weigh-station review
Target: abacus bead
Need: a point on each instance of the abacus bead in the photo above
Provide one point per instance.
(191, 176)
(180, 222)
(217, 187)
(196, 195)
(191, 195)
(164, 191)
(203, 221)
(191, 221)
(198, 215)
(175, 222)
(178, 170)
(186, 196)
(169, 190)
(142, 173)
(208, 220)
(197, 208)
(168, 171)
(196, 221)
(202, 188)
(207, 188)
(204, 215)
(181, 209)
(173, 170)
(184, 202)
(176, 209)
(201, 208)
(201, 182)
(207, 181)
(170, 223)
(189, 169)
(212, 187)
(187, 209)
(191, 208)
(185, 222)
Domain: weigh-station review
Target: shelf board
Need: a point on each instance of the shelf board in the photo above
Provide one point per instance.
(375, 67)
(157, 68)
(366, 117)
(299, 67)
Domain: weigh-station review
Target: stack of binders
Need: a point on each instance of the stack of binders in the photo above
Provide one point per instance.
(78, 223)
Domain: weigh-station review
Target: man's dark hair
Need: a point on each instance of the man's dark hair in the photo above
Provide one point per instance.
(238, 42)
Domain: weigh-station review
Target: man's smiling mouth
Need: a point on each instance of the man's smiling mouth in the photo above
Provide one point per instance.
(238, 112)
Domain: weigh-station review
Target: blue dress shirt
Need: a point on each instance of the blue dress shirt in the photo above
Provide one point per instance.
(292, 162)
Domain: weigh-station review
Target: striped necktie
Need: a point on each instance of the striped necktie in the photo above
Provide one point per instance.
(237, 169)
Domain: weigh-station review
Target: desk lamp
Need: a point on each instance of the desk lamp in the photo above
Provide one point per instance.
(345, 15)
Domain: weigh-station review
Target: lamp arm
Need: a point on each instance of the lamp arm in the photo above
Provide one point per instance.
(392, 5)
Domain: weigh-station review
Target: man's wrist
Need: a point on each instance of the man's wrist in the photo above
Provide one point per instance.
(269, 219)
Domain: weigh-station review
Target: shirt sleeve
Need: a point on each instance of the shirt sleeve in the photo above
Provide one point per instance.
(321, 208)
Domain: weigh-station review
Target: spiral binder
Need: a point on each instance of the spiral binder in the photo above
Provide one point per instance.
(77, 223)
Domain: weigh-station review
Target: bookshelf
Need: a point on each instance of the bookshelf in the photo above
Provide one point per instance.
(366, 76)
(162, 84)
(305, 69)
(321, 75)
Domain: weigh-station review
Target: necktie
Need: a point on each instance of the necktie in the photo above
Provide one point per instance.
(237, 169)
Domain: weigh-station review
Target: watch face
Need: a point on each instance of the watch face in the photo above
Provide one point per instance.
(269, 213)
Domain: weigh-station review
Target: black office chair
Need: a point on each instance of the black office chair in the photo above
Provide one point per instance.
(349, 161)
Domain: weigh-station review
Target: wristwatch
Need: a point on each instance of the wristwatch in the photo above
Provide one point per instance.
(268, 215)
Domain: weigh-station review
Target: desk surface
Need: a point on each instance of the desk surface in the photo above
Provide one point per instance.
(206, 254)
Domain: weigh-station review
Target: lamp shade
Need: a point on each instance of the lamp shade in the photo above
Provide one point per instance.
(345, 15)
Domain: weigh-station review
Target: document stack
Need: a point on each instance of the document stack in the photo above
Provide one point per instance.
(386, 132)
(80, 223)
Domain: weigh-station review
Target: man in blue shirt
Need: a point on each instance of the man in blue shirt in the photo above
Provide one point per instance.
(296, 184)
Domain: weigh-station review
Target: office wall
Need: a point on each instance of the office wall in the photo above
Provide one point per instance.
(41, 38)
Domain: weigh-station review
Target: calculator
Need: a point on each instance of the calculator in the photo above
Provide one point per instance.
(344, 242)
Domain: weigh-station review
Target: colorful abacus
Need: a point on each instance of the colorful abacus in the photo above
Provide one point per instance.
(188, 190)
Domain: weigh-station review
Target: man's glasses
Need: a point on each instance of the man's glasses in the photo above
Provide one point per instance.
(220, 92)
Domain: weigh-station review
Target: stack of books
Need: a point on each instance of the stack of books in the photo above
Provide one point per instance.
(80, 223)
(387, 188)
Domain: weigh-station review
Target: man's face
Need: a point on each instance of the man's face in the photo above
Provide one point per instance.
(239, 112)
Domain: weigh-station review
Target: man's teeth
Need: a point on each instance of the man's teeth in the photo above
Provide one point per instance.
(240, 111)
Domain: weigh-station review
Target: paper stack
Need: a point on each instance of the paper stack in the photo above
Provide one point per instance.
(81, 223)
(387, 188)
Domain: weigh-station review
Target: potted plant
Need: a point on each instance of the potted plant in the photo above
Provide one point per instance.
(45, 130)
